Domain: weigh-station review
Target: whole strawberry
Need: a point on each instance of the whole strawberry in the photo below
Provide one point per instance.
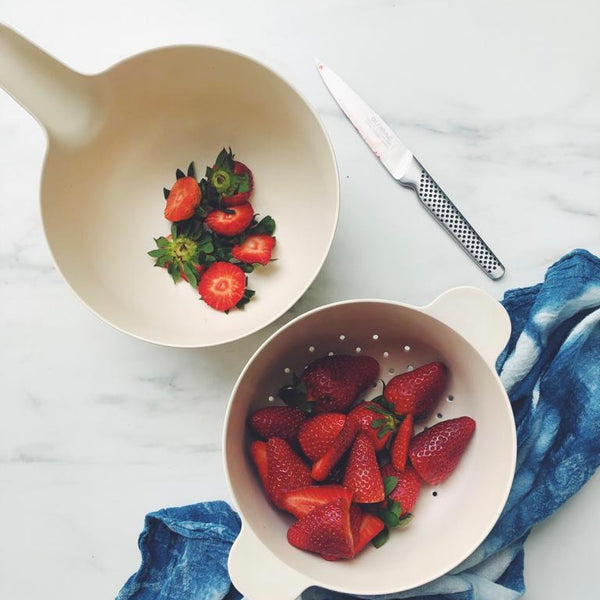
(436, 451)
(362, 472)
(417, 392)
(277, 421)
(231, 179)
(316, 434)
(334, 382)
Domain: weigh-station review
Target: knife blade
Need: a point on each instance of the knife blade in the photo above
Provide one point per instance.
(409, 172)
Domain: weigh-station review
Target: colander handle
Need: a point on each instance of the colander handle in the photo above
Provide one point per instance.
(66, 103)
(258, 574)
(475, 315)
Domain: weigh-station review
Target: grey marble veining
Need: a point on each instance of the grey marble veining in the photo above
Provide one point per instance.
(500, 103)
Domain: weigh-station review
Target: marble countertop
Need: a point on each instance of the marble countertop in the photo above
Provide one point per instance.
(499, 101)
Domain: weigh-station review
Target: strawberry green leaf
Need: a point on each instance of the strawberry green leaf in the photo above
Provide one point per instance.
(191, 172)
(389, 484)
(190, 273)
(174, 230)
(384, 431)
(381, 538)
(162, 242)
(179, 174)
(155, 253)
(166, 193)
(162, 261)
(174, 272)
(388, 517)
(377, 423)
(246, 267)
(395, 508)
(265, 225)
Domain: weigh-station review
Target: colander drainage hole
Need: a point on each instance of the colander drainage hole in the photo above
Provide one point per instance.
(342, 337)
(439, 415)
(434, 493)
(271, 398)
(392, 370)
(330, 353)
(287, 370)
(450, 398)
(311, 348)
(410, 368)
(358, 349)
(406, 348)
(386, 354)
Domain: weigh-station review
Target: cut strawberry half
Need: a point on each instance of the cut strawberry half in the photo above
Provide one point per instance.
(182, 200)
(231, 221)
(399, 449)
(301, 501)
(322, 468)
(255, 249)
(362, 472)
(325, 530)
(368, 527)
(286, 470)
(222, 286)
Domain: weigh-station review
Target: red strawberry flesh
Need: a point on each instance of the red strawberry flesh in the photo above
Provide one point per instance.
(399, 449)
(184, 197)
(316, 435)
(369, 526)
(277, 421)
(231, 221)
(362, 472)
(325, 530)
(417, 392)
(322, 468)
(436, 451)
(255, 249)
(286, 470)
(222, 285)
(334, 382)
(301, 501)
(407, 489)
(258, 452)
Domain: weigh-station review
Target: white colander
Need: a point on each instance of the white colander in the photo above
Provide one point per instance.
(466, 329)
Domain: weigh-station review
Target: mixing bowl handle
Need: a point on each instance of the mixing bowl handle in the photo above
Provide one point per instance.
(258, 574)
(475, 315)
(65, 103)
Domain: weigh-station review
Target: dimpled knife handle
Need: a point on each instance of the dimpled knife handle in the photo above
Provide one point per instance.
(451, 219)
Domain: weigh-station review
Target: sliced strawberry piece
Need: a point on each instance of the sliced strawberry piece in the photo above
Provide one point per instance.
(334, 382)
(318, 433)
(372, 419)
(325, 530)
(184, 197)
(230, 221)
(258, 452)
(301, 501)
(417, 392)
(255, 249)
(222, 286)
(399, 449)
(362, 472)
(407, 489)
(322, 468)
(277, 421)
(368, 527)
(286, 470)
(436, 451)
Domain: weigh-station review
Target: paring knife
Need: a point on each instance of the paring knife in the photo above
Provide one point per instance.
(409, 172)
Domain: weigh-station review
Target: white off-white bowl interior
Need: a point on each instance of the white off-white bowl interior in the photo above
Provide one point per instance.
(450, 519)
(114, 142)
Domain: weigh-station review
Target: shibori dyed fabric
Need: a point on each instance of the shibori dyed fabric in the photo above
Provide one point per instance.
(551, 371)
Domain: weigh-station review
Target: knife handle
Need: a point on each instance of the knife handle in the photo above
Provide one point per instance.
(451, 219)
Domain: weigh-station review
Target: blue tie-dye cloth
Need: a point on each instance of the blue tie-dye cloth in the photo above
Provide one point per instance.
(551, 370)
